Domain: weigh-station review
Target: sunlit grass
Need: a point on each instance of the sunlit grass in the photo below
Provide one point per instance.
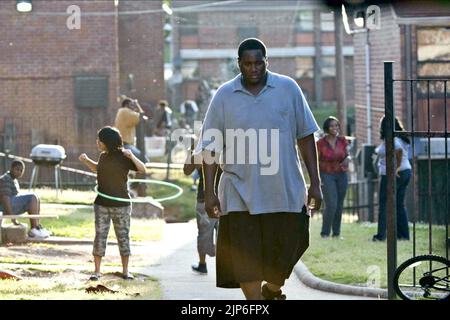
(79, 224)
(354, 259)
(179, 209)
(67, 196)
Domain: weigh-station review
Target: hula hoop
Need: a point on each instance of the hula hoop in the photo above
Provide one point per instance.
(146, 199)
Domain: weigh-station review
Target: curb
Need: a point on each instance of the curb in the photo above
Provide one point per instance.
(64, 241)
(310, 280)
(66, 206)
(74, 241)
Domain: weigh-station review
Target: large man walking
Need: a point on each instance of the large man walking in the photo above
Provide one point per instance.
(264, 222)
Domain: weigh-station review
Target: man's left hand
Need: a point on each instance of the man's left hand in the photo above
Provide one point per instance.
(314, 197)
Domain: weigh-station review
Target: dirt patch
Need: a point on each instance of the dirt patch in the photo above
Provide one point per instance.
(75, 276)
(75, 285)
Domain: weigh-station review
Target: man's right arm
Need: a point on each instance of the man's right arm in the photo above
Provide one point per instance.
(211, 145)
(212, 204)
(6, 204)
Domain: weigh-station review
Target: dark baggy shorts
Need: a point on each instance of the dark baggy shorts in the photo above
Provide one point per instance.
(262, 247)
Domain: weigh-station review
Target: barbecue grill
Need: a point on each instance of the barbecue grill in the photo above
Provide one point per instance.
(47, 155)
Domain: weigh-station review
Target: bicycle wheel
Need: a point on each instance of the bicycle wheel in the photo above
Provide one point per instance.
(425, 277)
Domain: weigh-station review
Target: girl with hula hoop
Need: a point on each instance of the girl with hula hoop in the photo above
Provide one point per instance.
(112, 176)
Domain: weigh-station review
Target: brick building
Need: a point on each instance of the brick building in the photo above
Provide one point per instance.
(416, 36)
(299, 36)
(60, 85)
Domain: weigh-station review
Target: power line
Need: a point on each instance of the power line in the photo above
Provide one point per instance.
(193, 8)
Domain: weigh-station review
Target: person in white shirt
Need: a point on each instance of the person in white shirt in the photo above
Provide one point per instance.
(403, 175)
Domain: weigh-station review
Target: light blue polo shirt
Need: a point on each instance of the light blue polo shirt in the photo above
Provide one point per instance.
(258, 184)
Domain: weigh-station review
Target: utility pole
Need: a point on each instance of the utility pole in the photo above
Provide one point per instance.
(177, 77)
(318, 59)
(340, 73)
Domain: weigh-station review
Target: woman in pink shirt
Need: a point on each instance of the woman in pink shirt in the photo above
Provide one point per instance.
(333, 166)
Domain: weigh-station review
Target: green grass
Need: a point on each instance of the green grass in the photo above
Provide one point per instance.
(71, 285)
(79, 224)
(353, 259)
(181, 208)
(67, 196)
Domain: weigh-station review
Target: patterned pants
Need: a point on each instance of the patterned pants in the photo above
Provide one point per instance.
(120, 217)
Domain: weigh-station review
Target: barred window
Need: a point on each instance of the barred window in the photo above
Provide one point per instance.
(91, 91)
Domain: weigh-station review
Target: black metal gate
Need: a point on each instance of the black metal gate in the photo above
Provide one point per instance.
(430, 178)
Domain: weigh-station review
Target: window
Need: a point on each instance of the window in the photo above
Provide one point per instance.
(304, 21)
(433, 52)
(305, 67)
(91, 91)
(247, 32)
(189, 69)
(433, 60)
(326, 21)
(328, 67)
(188, 24)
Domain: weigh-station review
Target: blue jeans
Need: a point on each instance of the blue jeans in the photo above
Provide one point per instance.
(402, 215)
(334, 188)
(138, 153)
(20, 203)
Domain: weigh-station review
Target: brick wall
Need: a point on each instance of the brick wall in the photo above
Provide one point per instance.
(220, 29)
(141, 50)
(39, 57)
(385, 45)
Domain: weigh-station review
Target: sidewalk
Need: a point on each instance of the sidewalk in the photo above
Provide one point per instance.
(177, 251)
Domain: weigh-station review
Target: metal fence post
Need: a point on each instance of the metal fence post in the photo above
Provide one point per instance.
(370, 195)
(140, 135)
(391, 218)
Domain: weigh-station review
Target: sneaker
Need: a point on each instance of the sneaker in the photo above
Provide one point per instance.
(268, 294)
(128, 276)
(200, 268)
(95, 277)
(45, 231)
(37, 233)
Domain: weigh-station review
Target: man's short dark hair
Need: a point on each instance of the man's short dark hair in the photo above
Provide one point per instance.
(127, 102)
(16, 163)
(252, 44)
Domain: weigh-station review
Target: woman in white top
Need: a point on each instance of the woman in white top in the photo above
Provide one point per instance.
(403, 173)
